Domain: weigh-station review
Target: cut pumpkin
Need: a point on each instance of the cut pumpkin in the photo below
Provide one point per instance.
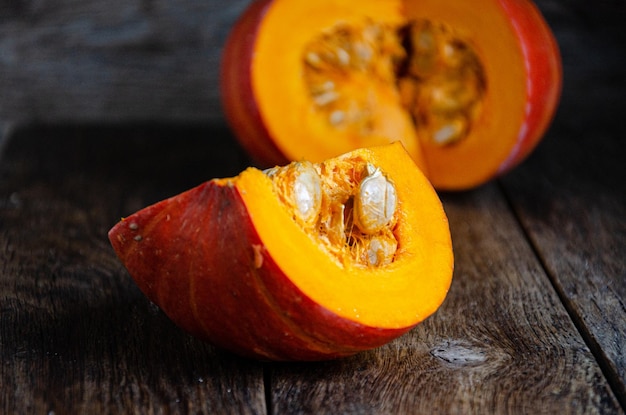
(307, 261)
(469, 88)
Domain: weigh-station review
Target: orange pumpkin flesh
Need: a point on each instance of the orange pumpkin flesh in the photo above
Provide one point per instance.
(252, 265)
(469, 88)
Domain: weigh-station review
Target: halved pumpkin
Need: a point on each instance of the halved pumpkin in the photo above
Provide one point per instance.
(469, 87)
(307, 261)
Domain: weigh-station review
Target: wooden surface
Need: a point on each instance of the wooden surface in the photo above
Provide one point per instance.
(114, 60)
(535, 321)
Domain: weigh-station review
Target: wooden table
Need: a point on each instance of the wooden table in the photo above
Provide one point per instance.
(535, 321)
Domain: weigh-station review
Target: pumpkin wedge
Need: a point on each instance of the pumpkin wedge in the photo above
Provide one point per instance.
(469, 87)
(306, 261)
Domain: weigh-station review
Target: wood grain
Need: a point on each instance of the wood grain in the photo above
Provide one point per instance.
(119, 60)
(76, 335)
(502, 342)
(571, 195)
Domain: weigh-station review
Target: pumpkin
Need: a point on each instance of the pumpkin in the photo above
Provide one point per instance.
(469, 87)
(307, 261)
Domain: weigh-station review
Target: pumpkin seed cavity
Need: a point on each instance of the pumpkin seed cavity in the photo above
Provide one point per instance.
(346, 205)
(435, 74)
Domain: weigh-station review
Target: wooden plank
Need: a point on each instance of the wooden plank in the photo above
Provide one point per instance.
(501, 343)
(119, 60)
(571, 194)
(76, 335)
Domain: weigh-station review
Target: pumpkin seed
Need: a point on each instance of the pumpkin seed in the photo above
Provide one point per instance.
(375, 202)
(381, 250)
(307, 191)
